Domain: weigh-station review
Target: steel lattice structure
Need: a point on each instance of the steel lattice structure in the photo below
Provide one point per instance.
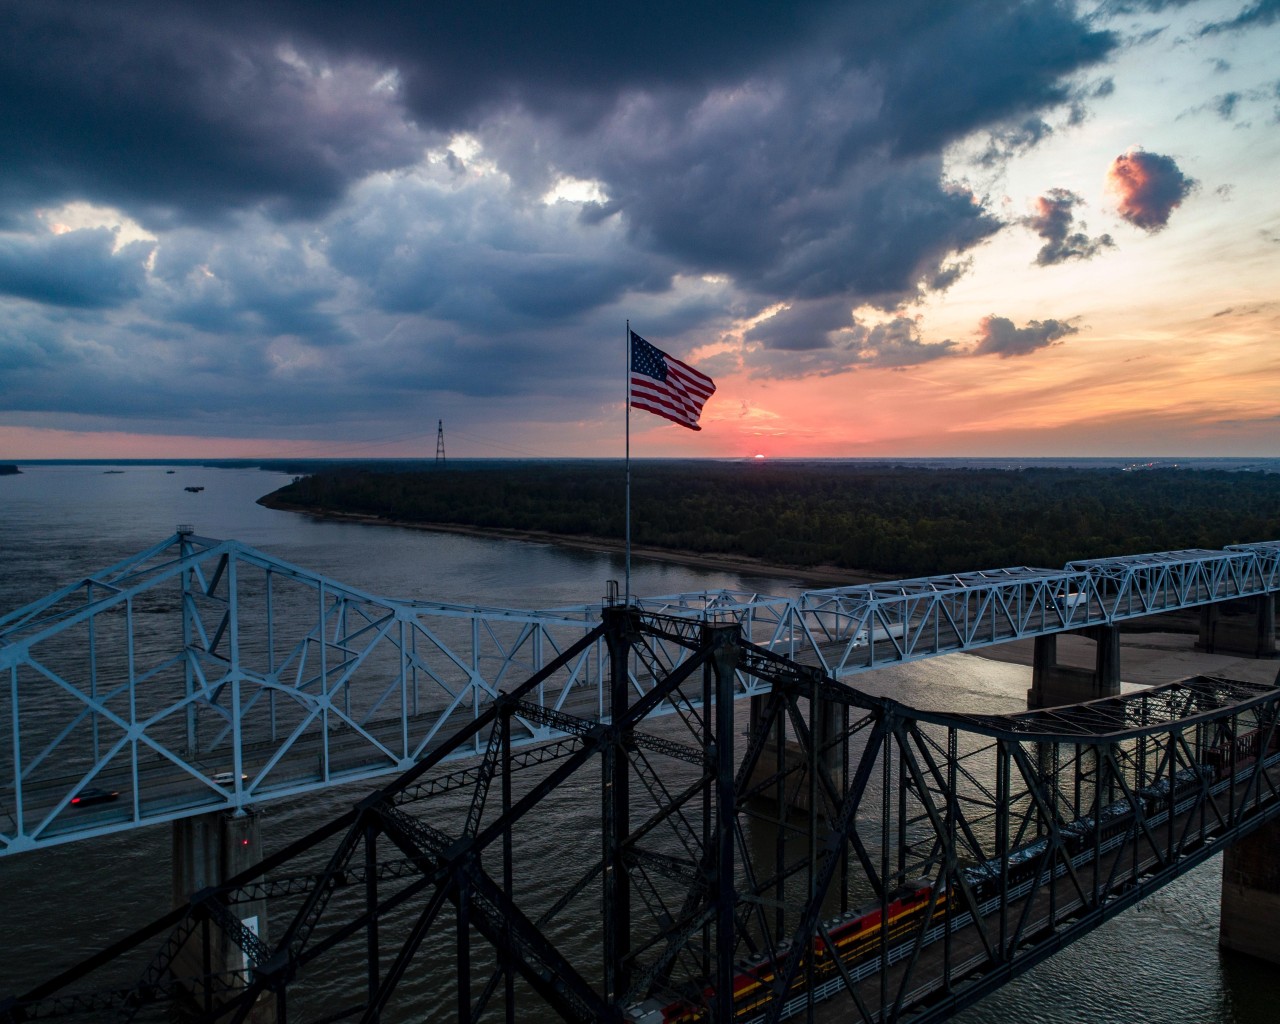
(847, 848)
(203, 674)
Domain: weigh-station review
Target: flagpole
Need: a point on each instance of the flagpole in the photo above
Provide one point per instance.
(627, 405)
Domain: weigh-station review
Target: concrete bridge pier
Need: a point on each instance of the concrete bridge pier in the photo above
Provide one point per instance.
(1251, 895)
(1245, 626)
(1053, 684)
(207, 850)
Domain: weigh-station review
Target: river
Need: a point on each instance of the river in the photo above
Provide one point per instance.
(1157, 962)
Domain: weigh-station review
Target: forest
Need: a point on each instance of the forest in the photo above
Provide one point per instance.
(896, 520)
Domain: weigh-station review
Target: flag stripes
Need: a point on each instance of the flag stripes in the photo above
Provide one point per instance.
(663, 385)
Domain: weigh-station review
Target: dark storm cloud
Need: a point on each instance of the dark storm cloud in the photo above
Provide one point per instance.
(256, 284)
(324, 237)
(873, 233)
(898, 343)
(436, 357)
(997, 335)
(803, 327)
(823, 338)
(468, 250)
(189, 110)
(1148, 187)
(566, 58)
(27, 343)
(984, 63)
(848, 197)
(1053, 220)
(572, 61)
(76, 268)
(73, 365)
(149, 107)
(199, 108)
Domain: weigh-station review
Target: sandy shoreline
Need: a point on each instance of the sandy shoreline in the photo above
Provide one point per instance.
(816, 577)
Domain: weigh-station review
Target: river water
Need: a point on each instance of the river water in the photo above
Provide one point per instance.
(1157, 962)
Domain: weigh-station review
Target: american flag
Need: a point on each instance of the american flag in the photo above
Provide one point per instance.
(662, 384)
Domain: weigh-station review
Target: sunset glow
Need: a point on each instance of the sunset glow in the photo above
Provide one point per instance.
(1059, 238)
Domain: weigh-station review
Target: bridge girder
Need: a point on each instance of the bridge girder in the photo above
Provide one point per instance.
(987, 841)
(201, 658)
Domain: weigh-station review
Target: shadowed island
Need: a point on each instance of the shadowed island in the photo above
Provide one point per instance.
(821, 522)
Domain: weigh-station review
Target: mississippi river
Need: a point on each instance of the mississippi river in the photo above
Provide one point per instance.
(1158, 962)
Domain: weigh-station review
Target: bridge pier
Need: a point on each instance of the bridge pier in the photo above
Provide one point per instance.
(207, 850)
(1245, 626)
(1053, 684)
(1251, 895)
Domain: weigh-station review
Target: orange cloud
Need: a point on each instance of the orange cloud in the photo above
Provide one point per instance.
(1148, 187)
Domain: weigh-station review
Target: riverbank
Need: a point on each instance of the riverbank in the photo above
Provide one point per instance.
(811, 577)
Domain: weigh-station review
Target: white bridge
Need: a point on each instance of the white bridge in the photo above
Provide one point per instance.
(203, 675)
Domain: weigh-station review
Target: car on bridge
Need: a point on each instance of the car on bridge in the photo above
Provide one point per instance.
(94, 795)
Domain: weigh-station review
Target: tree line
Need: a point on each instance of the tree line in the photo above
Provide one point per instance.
(897, 520)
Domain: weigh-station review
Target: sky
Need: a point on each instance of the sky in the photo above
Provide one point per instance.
(886, 228)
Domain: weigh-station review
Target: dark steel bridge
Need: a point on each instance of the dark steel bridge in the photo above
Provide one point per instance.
(847, 856)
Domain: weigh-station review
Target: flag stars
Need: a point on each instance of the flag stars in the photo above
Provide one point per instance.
(664, 386)
(646, 359)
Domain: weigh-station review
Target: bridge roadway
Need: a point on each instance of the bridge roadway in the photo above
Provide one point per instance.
(310, 683)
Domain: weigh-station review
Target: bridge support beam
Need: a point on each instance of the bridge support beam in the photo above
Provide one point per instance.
(1245, 626)
(1251, 895)
(829, 725)
(207, 850)
(1053, 684)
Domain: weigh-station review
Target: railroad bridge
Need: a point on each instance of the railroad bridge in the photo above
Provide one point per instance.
(847, 851)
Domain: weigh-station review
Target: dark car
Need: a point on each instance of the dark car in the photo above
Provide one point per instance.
(94, 795)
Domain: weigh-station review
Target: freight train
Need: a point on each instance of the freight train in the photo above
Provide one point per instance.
(856, 937)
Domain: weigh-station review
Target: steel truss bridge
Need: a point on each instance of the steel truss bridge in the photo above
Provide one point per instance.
(202, 674)
(935, 857)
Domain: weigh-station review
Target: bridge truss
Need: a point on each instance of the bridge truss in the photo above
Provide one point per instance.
(848, 851)
(204, 674)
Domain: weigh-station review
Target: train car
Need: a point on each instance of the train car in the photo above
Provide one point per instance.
(858, 936)
(855, 937)
(1240, 752)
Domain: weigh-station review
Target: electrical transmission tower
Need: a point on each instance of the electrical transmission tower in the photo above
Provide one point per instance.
(439, 442)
